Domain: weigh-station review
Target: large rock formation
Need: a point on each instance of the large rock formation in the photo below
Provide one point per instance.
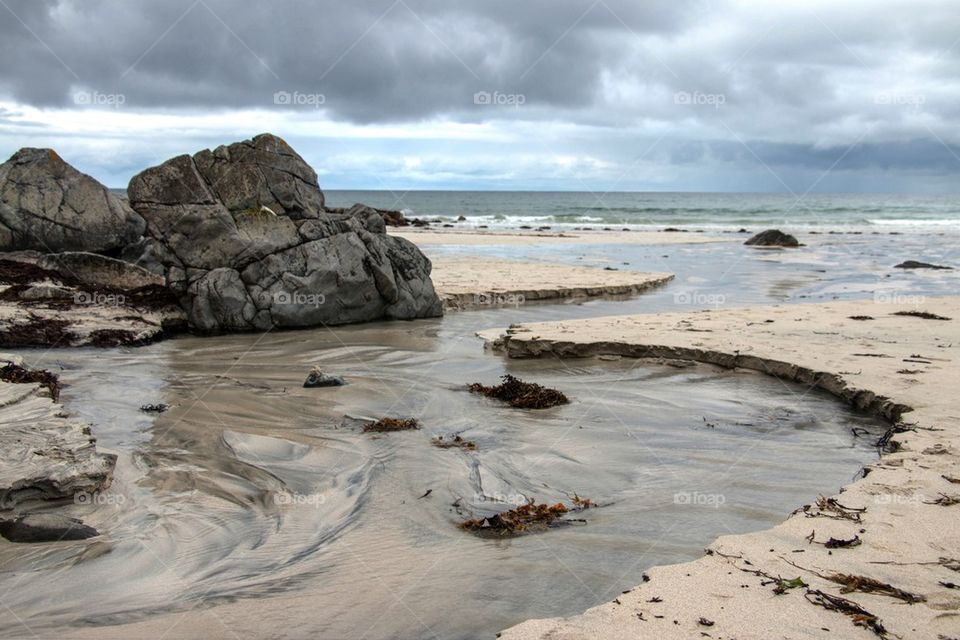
(47, 205)
(241, 235)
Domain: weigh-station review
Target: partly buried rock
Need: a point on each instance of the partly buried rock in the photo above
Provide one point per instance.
(47, 205)
(43, 454)
(45, 527)
(241, 236)
(772, 238)
(913, 264)
(318, 378)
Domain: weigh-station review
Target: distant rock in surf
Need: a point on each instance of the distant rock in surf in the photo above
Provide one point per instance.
(913, 264)
(772, 238)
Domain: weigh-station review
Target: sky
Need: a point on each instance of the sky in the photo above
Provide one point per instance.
(584, 95)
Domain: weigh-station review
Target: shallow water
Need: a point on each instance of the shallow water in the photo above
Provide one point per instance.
(251, 486)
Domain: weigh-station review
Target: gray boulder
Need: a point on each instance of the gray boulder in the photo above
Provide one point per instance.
(772, 238)
(47, 205)
(241, 235)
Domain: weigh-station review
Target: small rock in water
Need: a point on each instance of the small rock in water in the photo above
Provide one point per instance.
(318, 378)
(45, 527)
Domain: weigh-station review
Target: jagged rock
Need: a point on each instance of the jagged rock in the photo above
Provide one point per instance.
(47, 205)
(43, 454)
(389, 217)
(242, 237)
(913, 264)
(45, 527)
(772, 238)
(318, 378)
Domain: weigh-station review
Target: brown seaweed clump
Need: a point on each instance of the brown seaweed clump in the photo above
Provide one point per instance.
(454, 442)
(520, 394)
(386, 425)
(16, 374)
(527, 518)
(523, 519)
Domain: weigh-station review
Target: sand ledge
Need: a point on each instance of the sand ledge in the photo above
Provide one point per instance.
(908, 540)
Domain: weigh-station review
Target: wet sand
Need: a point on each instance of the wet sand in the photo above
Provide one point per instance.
(904, 511)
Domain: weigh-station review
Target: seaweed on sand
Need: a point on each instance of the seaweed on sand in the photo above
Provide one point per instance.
(19, 375)
(454, 442)
(527, 518)
(386, 425)
(926, 315)
(520, 394)
(860, 616)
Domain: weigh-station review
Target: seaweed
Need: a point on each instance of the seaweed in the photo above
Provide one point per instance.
(19, 375)
(387, 425)
(153, 408)
(851, 583)
(944, 500)
(454, 442)
(926, 315)
(860, 616)
(830, 508)
(36, 332)
(527, 518)
(520, 394)
(861, 317)
(522, 519)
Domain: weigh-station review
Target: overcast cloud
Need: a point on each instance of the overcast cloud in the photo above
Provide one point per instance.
(545, 94)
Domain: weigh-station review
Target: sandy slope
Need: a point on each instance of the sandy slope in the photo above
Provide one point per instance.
(889, 365)
(470, 282)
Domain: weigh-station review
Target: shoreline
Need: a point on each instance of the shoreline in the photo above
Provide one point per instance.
(485, 237)
(904, 534)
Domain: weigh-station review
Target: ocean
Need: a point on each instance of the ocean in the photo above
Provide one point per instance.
(645, 211)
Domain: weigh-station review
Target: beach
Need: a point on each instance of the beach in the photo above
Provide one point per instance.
(629, 330)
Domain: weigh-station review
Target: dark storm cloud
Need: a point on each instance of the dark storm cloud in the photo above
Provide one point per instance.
(372, 61)
(705, 81)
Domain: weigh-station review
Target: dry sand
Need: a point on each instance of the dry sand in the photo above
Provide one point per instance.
(483, 237)
(464, 282)
(909, 528)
